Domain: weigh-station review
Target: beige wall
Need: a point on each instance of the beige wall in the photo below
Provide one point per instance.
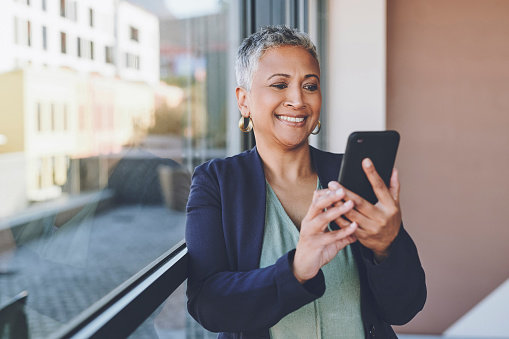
(448, 95)
(100, 115)
(12, 118)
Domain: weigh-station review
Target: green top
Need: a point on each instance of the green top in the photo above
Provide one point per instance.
(337, 314)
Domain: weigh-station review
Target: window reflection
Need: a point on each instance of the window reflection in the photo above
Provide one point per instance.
(172, 321)
(105, 109)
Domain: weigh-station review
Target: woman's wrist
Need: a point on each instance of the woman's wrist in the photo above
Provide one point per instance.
(299, 279)
(379, 257)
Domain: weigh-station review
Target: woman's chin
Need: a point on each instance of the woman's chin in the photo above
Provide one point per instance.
(283, 138)
(293, 143)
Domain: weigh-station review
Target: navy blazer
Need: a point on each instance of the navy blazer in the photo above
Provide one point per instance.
(228, 292)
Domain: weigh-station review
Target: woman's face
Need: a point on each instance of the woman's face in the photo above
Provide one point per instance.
(285, 98)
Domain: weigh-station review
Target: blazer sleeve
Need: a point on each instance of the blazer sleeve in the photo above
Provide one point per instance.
(398, 283)
(220, 298)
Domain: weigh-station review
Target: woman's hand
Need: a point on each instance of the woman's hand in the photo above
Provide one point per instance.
(317, 245)
(379, 224)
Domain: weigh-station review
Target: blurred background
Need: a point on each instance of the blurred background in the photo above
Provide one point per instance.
(106, 107)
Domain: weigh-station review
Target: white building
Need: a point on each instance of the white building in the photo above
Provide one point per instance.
(106, 37)
(137, 43)
(76, 78)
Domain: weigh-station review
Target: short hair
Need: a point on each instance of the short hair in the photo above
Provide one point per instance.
(254, 47)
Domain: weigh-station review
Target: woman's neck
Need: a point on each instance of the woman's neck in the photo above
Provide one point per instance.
(287, 165)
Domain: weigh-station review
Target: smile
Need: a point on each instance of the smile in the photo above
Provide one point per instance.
(290, 119)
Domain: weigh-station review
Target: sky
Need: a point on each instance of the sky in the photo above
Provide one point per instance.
(186, 8)
(179, 9)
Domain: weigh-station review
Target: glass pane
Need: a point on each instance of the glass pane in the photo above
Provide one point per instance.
(98, 143)
(172, 321)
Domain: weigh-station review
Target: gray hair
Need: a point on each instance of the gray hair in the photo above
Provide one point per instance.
(254, 47)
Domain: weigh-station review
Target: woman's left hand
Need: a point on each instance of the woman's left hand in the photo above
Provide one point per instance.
(379, 224)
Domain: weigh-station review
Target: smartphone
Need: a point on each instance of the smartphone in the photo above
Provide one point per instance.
(381, 147)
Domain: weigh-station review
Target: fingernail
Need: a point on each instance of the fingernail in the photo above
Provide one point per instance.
(367, 162)
(349, 203)
(339, 191)
(353, 225)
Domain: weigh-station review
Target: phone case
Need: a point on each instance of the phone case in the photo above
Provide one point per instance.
(381, 147)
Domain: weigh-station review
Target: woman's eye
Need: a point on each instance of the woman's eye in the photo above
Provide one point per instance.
(311, 88)
(279, 86)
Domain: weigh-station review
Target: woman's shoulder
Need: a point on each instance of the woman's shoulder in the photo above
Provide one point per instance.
(238, 173)
(244, 162)
(231, 161)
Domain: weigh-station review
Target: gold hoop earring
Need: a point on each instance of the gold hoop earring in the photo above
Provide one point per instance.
(319, 126)
(242, 124)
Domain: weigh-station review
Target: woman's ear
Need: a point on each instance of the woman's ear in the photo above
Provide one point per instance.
(242, 101)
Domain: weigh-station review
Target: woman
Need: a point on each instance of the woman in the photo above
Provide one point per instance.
(262, 259)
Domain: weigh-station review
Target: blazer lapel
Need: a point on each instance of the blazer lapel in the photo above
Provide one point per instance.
(327, 167)
(251, 206)
(326, 164)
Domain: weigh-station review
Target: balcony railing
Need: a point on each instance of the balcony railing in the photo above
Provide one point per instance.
(120, 312)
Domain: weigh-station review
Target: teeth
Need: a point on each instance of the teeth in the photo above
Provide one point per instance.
(284, 117)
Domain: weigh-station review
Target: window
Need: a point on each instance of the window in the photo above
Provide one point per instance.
(44, 38)
(108, 52)
(91, 17)
(128, 137)
(39, 175)
(63, 8)
(74, 14)
(39, 117)
(132, 61)
(45, 173)
(133, 33)
(64, 118)
(29, 34)
(22, 32)
(54, 169)
(85, 48)
(53, 117)
(16, 31)
(63, 42)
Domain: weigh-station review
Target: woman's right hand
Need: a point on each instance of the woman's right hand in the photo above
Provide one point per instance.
(317, 245)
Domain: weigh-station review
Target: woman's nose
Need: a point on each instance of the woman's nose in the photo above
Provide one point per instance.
(294, 99)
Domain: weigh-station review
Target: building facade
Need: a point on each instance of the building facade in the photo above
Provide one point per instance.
(73, 84)
(81, 36)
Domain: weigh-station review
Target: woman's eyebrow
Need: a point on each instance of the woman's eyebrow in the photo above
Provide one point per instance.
(279, 75)
(288, 76)
(312, 76)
